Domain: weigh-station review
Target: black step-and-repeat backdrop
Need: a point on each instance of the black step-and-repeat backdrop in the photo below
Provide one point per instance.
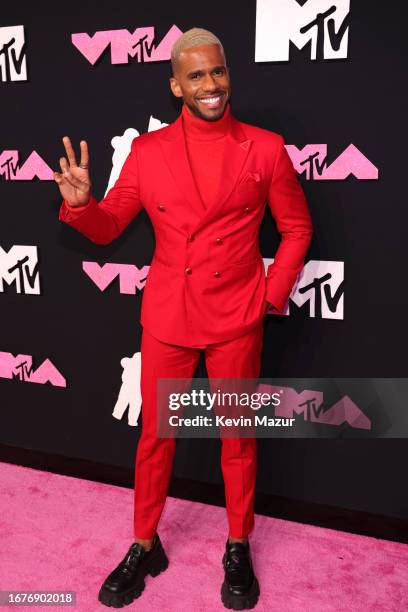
(328, 76)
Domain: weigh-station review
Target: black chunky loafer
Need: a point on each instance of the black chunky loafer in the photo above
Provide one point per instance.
(240, 589)
(126, 582)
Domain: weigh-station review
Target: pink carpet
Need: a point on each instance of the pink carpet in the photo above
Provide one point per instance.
(62, 533)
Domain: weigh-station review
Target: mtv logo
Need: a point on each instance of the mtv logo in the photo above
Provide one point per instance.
(33, 167)
(19, 267)
(20, 367)
(139, 44)
(310, 404)
(13, 65)
(130, 277)
(322, 24)
(321, 285)
(311, 161)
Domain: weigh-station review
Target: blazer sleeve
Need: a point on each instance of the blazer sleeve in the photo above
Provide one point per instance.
(290, 210)
(104, 221)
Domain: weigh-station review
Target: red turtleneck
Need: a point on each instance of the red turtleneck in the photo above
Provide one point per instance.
(205, 142)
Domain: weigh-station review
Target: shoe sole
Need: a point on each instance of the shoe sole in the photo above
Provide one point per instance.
(240, 602)
(115, 600)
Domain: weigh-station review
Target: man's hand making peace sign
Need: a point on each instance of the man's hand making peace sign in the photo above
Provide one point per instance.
(74, 181)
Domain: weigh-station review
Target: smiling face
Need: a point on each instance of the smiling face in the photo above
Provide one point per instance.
(202, 80)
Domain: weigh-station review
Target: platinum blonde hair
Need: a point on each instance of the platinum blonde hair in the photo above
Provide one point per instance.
(192, 38)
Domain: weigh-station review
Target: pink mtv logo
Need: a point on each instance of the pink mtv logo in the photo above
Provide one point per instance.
(139, 44)
(21, 367)
(34, 166)
(310, 404)
(312, 160)
(130, 276)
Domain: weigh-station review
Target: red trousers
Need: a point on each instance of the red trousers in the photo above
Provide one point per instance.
(240, 357)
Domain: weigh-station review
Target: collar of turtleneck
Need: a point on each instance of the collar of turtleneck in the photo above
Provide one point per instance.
(196, 128)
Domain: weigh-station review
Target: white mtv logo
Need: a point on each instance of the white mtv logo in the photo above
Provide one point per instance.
(19, 267)
(321, 283)
(12, 54)
(322, 23)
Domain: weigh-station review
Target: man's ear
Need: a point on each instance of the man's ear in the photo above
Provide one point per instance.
(175, 87)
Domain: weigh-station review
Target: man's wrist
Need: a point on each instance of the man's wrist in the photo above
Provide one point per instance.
(77, 206)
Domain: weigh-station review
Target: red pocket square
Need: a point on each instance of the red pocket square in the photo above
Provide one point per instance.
(251, 177)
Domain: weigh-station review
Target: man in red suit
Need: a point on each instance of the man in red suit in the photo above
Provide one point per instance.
(204, 181)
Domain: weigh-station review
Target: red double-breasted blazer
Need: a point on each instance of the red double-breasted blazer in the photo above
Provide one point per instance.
(206, 281)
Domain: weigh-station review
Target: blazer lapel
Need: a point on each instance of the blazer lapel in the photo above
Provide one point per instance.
(175, 152)
(237, 147)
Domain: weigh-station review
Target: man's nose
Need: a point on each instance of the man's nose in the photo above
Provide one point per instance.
(209, 83)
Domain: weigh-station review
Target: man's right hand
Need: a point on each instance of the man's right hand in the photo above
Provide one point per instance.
(74, 181)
